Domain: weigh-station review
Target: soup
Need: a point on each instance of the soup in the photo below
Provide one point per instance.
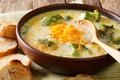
(57, 33)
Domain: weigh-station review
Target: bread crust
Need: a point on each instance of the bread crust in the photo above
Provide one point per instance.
(8, 29)
(81, 77)
(15, 70)
(15, 67)
(7, 46)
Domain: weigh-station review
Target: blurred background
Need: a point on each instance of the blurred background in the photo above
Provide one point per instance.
(21, 5)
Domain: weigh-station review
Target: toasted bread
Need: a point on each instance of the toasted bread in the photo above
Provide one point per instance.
(7, 22)
(7, 29)
(15, 67)
(7, 46)
(82, 77)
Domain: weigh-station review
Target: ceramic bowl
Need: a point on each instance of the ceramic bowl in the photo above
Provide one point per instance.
(64, 65)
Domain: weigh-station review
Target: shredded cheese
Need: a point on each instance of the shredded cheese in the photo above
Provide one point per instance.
(67, 33)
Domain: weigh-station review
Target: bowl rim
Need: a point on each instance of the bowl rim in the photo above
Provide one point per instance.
(38, 52)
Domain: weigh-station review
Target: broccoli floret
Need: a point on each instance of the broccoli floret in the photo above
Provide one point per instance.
(75, 53)
(67, 18)
(84, 47)
(51, 19)
(75, 46)
(88, 15)
(47, 42)
(96, 15)
(106, 31)
(116, 40)
(75, 49)
(106, 27)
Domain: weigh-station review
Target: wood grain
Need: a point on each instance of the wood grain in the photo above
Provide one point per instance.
(112, 5)
(93, 2)
(39, 3)
(67, 1)
(20, 5)
(14, 5)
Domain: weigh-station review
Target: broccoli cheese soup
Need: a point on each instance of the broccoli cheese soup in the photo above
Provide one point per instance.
(57, 33)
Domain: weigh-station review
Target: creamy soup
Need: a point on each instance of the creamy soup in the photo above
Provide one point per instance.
(57, 33)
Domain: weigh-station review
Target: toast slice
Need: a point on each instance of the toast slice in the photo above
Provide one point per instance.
(7, 46)
(15, 67)
(81, 77)
(7, 29)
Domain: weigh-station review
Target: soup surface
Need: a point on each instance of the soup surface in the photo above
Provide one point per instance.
(58, 33)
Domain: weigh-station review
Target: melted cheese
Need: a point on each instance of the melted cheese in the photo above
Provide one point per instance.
(67, 33)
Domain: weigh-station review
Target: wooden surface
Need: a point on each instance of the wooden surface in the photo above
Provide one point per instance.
(20, 5)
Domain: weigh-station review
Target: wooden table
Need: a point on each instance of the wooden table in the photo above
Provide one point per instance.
(18, 5)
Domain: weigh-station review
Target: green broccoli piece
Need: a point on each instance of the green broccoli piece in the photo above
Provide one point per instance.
(116, 40)
(51, 19)
(106, 27)
(47, 42)
(75, 49)
(67, 18)
(93, 15)
(75, 53)
(84, 47)
(106, 32)
(97, 15)
(75, 46)
(88, 15)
